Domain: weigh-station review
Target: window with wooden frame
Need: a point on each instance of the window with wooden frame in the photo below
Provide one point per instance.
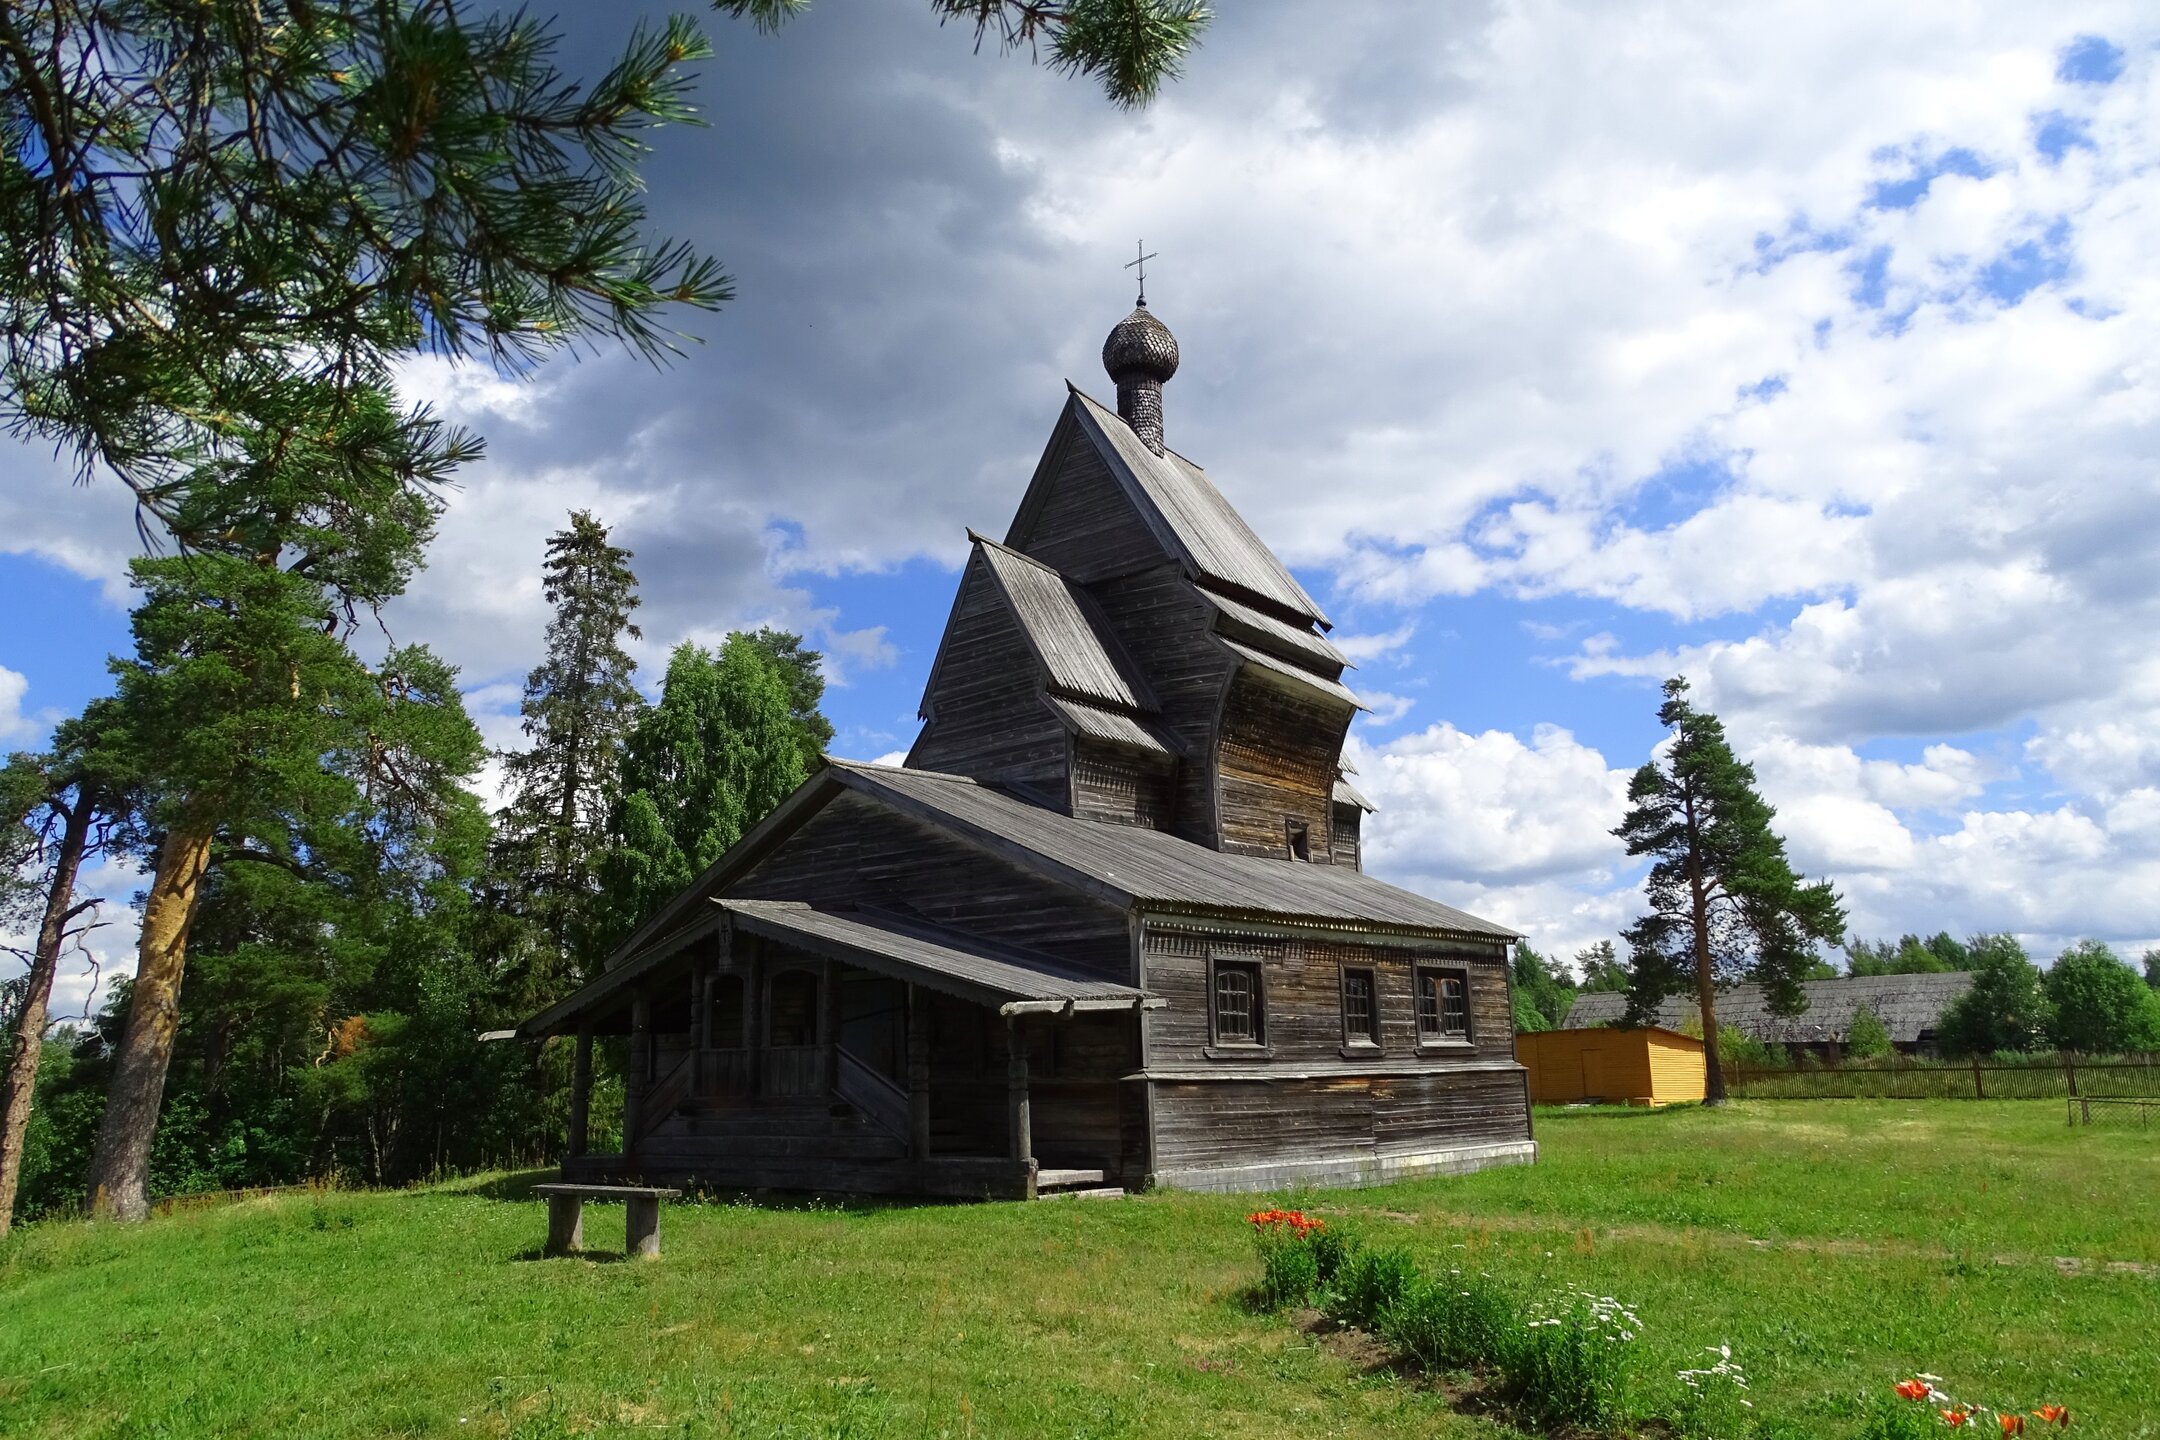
(1239, 1003)
(1443, 1006)
(1299, 838)
(1360, 1007)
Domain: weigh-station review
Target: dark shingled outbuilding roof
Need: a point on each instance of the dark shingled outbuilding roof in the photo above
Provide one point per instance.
(1155, 870)
(1909, 1006)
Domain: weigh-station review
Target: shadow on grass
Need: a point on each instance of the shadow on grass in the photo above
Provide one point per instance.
(589, 1257)
(517, 1186)
(1543, 1113)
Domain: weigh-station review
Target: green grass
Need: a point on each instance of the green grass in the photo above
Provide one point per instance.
(1835, 1245)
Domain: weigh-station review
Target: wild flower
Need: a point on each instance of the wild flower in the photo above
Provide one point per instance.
(2056, 1415)
(1294, 1222)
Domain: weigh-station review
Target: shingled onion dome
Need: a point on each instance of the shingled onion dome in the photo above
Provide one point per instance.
(1140, 355)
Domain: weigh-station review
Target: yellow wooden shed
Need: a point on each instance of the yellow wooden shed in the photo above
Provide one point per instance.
(1646, 1066)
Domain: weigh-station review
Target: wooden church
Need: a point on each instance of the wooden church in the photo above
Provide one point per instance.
(1106, 928)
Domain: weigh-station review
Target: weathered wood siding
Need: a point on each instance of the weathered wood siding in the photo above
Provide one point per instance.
(1087, 526)
(1205, 1124)
(858, 852)
(1121, 786)
(1074, 1066)
(1302, 980)
(1163, 624)
(1277, 758)
(986, 719)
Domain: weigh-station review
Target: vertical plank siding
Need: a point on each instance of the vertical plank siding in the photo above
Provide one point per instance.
(1086, 525)
(985, 717)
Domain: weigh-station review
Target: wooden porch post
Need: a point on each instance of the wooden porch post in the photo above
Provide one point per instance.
(754, 1006)
(581, 1091)
(639, 1077)
(1016, 1099)
(702, 980)
(828, 1023)
(918, 1071)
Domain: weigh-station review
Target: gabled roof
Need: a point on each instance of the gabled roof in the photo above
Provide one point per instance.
(1152, 871)
(1122, 864)
(1906, 1004)
(1066, 629)
(1347, 794)
(1183, 507)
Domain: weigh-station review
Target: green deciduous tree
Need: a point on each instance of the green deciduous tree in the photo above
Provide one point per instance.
(1910, 955)
(1543, 989)
(805, 675)
(1725, 904)
(713, 758)
(579, 705)
(2098, 1005)
(2006, 1008)
(1867, 1038)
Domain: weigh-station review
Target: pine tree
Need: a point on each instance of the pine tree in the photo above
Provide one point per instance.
(579, 705)
(1600, 968)
(64, 813)
(713, 758)
(1725, 903)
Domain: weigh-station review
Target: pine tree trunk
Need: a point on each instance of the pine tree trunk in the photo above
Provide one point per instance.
(20, 1085)
(1706, 989)
(120, 1165)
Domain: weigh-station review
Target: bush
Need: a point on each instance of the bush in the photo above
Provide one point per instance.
(1576, 1366)
(1369, 1283)
(1867, 1038)
(1452, 1322)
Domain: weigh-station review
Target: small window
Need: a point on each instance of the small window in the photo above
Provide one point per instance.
(1300, 839)
(1238, 1004)
(1443, 1005)
(1360, 1012)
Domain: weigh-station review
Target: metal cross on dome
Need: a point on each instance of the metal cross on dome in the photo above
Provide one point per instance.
(1145, 254)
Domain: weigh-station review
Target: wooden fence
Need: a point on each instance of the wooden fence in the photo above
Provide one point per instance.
(1902, 1078)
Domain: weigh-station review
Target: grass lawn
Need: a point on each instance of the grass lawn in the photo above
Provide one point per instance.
(1835, 1245)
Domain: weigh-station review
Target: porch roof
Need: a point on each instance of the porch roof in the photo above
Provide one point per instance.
(1012, 980)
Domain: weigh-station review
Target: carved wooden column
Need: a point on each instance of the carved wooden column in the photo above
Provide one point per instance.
(581, 1091)
(1016, 1096)
(918, 1071)
(639, 1075)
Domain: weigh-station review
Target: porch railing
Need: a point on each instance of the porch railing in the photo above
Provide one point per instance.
(883, 1103)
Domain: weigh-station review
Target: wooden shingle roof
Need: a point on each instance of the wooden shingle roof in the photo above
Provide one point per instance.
(1129, 865)
(1066, 630)
(958, 964)
(1185, 507)
(1908, 1005)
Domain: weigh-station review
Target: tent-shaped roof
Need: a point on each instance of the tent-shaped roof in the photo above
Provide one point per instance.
(1908, 1006)
(1183, 506)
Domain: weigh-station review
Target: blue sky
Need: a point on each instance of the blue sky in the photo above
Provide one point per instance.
(1559, 348)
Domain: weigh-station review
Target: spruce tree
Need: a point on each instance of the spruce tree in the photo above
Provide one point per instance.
(1725, 904)
(713, 758)
(579, 704)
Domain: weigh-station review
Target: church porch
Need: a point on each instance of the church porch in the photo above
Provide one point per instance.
(791, 1048)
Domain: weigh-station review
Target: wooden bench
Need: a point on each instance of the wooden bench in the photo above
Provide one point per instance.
(641, 1226)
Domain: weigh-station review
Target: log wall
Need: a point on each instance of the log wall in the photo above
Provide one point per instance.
(1278, 750)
